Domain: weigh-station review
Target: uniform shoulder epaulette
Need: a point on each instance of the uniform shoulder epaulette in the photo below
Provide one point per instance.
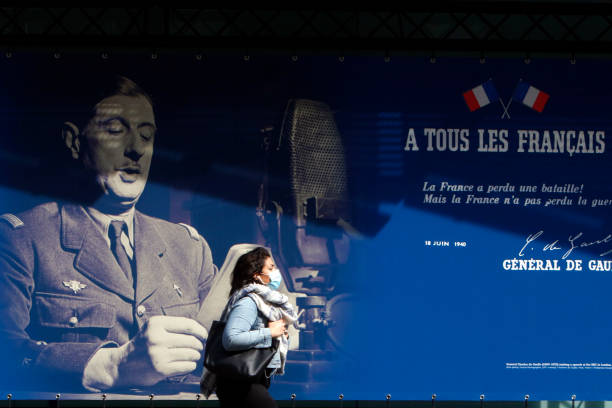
(13, 220)
(193, 233)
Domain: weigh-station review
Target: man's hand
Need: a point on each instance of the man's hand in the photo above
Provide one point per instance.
(166, 346)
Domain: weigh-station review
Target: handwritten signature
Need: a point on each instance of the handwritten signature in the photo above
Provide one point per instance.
(575, 241)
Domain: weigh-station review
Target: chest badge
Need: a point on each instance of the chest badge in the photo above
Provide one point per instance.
(178, 289)
(75, 285)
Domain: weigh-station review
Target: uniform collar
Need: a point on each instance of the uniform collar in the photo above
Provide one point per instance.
(103, 221)
(94, 258)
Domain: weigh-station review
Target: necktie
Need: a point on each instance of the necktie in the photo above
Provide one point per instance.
(116, 227)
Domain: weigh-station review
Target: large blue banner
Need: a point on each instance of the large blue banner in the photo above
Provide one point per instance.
(441, 227)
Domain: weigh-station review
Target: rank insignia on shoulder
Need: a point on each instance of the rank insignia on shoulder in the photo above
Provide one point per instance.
(13, 220)
(75, 285)
(193, 233)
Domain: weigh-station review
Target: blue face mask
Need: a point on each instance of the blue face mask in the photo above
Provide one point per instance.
(275, 279)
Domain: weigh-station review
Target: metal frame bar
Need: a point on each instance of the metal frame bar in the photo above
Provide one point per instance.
(509, 27)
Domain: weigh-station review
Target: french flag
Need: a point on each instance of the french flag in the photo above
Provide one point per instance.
(481, 96)
(530, 96)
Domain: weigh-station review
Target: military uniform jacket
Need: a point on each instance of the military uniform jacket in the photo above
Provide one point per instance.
(63, 294)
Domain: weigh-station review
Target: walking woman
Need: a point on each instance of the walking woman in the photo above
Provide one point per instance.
(257, 315)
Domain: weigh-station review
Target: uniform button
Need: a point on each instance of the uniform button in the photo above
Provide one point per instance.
(140, 310)
(73, 321)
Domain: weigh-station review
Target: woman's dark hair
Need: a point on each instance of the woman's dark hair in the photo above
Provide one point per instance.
(247, 266)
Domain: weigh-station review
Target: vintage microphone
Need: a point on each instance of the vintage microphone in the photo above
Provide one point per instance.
(305, 194)
(317, 179)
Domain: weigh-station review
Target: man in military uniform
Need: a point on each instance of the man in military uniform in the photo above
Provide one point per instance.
(99, 295)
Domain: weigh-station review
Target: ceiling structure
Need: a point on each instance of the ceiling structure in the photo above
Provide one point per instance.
(484, 27)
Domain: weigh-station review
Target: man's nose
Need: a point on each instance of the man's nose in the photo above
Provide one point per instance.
(135, 146)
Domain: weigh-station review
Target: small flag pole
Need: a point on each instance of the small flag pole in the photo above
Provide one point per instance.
(506, 107)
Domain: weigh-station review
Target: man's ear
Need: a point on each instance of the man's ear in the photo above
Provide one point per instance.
(70, 134)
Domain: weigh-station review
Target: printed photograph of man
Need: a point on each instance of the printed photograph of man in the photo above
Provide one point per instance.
(95, 294)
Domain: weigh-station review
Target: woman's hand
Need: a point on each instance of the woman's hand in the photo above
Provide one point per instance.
(277, 328)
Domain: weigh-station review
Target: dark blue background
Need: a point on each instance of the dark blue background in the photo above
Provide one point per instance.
(427, 320)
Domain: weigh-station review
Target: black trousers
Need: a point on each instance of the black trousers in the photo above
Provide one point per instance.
(238, 394)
